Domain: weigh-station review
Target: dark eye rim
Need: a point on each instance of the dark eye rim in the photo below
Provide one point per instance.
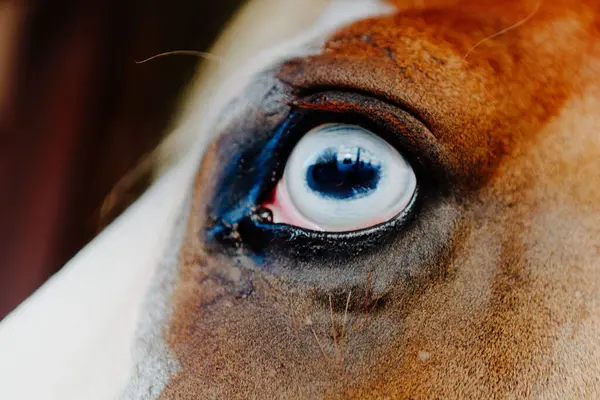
(262, 237)
(304, 243)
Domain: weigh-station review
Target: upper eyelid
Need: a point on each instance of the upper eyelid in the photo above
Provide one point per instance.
(315, 96)
(396, 125)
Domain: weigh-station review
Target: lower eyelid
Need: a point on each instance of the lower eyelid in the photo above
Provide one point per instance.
(285, 212)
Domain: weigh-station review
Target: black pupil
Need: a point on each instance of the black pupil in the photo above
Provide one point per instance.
(342, 174)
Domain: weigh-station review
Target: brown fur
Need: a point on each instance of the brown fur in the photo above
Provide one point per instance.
(517, 312)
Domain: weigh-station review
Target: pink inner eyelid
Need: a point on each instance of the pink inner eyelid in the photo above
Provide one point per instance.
(285, 212)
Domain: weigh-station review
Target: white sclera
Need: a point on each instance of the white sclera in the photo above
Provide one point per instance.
(393, 193)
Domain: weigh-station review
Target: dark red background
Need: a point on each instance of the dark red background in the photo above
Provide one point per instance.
(81, 115)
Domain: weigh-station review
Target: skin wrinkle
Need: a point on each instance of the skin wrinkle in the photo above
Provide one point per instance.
(516, 309)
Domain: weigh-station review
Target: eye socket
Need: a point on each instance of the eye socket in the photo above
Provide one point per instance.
(342, 177)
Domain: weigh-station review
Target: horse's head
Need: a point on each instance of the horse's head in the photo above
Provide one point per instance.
(404, 202)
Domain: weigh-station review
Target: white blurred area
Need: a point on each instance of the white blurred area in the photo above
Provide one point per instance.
(72, 338)
(259, 25)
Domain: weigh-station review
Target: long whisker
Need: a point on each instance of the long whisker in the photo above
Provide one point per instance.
(346, 314)
(343, 336)
(333, 328)
(367, 287)
(202, 54)
(505, 30)
(319, 344)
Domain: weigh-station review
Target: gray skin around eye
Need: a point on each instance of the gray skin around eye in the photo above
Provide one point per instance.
(412, 257)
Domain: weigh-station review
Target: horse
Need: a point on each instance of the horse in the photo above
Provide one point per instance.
(399, 201)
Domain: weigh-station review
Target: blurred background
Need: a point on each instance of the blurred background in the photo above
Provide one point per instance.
(78, 117)
(85, 127)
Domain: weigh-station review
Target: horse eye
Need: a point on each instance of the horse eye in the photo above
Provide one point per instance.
(342, 177)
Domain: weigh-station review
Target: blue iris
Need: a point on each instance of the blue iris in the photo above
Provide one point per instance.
(342, 174)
